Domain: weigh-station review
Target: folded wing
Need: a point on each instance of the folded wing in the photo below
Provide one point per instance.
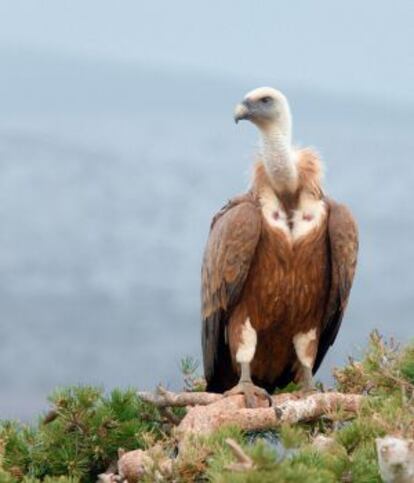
(343, 244)
(231, 245)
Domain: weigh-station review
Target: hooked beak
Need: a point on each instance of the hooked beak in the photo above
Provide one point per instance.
(241, 112)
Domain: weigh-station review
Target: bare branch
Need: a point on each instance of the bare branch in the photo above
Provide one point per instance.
(288, 408)
(170, 416)
(163, 398)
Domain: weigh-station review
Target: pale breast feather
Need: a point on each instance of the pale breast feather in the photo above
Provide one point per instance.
(273, 211)
(309, 215)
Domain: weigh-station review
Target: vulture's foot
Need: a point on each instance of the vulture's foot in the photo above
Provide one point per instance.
(251, 394)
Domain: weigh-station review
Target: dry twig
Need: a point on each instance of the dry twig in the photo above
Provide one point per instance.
(244, 462)
(170, 416)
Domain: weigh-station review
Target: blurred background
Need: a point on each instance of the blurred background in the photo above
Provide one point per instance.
(117, 145)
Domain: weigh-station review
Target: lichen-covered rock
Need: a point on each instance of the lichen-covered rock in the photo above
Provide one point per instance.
(396, 459)
(134, 465)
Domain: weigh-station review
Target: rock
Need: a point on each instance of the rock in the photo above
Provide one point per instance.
(396, 459)
(134, 465)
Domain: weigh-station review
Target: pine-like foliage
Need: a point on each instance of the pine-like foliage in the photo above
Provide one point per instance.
(80, 437)
(82, 434)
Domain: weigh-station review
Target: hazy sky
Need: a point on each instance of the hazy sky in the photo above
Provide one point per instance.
(359, 47)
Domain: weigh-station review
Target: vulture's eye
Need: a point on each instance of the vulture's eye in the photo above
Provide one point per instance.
(265, 100)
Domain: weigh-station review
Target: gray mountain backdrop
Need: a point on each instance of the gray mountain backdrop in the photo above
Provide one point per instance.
(117, 146)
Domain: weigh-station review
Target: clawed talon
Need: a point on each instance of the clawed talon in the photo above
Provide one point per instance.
(251, 393)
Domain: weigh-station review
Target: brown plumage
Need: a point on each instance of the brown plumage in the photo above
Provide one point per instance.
(276, 276)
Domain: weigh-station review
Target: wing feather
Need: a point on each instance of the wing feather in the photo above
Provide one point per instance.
(343, 245)
(232, 242)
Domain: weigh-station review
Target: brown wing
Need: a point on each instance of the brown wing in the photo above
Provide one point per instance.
(343, 244)
(230, 248)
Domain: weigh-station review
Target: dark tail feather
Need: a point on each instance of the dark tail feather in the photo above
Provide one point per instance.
(224, 376)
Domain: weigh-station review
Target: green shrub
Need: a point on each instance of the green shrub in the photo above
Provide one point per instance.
(81, 436)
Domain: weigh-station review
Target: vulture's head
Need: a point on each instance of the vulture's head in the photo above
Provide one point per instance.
(266, 107)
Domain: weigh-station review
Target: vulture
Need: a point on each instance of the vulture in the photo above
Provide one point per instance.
(277, 268)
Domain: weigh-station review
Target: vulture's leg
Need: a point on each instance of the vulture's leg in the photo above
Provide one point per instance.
(305, 379)
(306, 346)
(243, 341)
